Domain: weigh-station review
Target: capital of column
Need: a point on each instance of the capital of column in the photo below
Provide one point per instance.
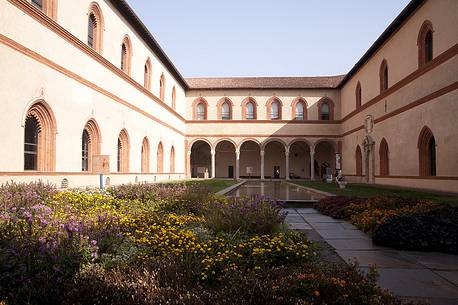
(262, 153)
(237, 154)
(213, 151)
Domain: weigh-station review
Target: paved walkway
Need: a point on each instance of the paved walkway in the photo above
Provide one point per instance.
(431, 277)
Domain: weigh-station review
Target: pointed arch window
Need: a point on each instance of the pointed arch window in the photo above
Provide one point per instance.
(425, 43)
(123, 152)
(384, 158)
(126, 55)
(95, 27)
(275, 111)
(299, 109)
(39, 138)
(325, 109)
(224, 109)
(359, 161)
(90, 144)
(147, 75)
(358, 95)
(249, 109)
(174, 98)
(274, 107)
(250, 113)
(31, 144)
(145, 152)
(427, 152)
(383, 76)
(160, 158)
(172, 160)
(162, 87)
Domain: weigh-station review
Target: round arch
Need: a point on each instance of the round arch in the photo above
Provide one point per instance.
(198, 140)
(201, 158)
(44, 156)
(270, 140)
(215, 144)
(225, 159)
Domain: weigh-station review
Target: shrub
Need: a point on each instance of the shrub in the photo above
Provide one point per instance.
(334, 206)
(254, 215)
(436, 230)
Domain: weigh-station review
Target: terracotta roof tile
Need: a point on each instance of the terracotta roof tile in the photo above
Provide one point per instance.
(265, 82)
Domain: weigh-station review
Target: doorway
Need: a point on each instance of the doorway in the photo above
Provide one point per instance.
(230, 171)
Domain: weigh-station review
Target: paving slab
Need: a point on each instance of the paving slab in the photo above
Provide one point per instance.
(348, 226)
(335, 233)
(290, 211)
(294, 218)
(327, 225)
(451, 276)
(299, 226)
(433, 301)
(319, 218)
(352, 244)
(379, 258)
(420, 283)
(434, 260)
(306, 211)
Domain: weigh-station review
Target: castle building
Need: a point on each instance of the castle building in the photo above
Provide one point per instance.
(84, 79)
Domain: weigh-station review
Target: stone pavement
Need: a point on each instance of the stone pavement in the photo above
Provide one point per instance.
(426, 276)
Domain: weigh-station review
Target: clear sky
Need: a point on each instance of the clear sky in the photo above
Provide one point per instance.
(266, 37)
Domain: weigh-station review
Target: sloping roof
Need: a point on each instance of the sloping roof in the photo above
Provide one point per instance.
(390, 30)
(318, 82)
(128, 13)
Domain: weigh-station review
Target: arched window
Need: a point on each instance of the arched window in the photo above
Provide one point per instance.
(274, 106)
(427, 152)
(31, 144)
(49, 7)
(174, 98)
(126, 55)
(123, 152)
(90, 144)
(162, 87)
(160, 159)
(359, 161)
(224, 109)
(384, 158)
(95, 27)
(425, 43)
(199, 109)
(299, 109)
(85, 151)
(250, 114)
(249, 109)
(325, 109)
(147, 75)
(383, 76)
(358, 94)
(39, 138)
(172, 160)
(145, 155)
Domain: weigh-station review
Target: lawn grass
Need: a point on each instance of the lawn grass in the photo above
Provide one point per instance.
(364, 190)
(213, 185)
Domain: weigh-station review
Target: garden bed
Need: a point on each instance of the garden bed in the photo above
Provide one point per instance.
(162, 244)
(401, 223)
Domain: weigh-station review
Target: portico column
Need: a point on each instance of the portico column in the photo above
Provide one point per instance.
(237, 164)
(312, 164)
(213, 163)
(188, 164)
(262, 164)
(287, 162)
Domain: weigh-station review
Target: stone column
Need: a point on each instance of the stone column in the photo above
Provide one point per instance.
(312, 164)
(237, 164)
(262, 164)
(213, 163)
(287, 162)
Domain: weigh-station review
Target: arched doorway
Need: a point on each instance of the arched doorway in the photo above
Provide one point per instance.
(324, 160)
(299, 160)
(274, 160)
(200, 160)
(250, 163)
(225, 160)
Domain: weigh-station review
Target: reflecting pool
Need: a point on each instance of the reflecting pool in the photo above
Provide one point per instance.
(279, 190)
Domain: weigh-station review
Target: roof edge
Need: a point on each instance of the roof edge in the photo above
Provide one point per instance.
(386, 35)
(128, 13)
